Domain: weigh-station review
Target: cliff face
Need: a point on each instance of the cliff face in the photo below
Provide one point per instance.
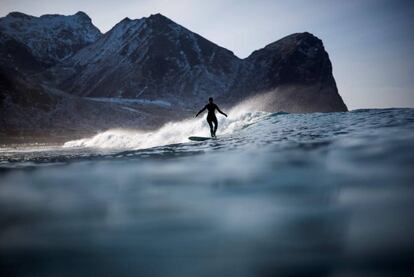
(150, 65)
(295, 73)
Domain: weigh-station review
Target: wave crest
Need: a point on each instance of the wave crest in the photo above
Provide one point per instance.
(170, 133)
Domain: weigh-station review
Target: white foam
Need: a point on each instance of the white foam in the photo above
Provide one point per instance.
(175, 132)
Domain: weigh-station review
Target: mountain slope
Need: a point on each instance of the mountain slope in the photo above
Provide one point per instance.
(149, 58)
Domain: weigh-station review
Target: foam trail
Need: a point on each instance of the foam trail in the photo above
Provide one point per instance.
(174, 132)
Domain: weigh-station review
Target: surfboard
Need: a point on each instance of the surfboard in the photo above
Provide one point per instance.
(200, 138)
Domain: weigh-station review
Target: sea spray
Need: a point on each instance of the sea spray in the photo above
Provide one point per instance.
(170, 133)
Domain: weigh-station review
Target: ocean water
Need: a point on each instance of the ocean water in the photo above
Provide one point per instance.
(323, 194)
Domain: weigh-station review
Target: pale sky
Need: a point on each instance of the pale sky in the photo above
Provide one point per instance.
(370, 42)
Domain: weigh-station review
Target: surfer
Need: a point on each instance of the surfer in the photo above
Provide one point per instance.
(211, 116)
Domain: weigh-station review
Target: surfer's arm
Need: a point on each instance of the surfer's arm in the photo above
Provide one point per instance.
(202, 110)
(221, 112)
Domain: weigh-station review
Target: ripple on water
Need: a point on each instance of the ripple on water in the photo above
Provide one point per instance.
(315, 194)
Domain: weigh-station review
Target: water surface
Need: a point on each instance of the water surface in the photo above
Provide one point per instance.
(276, 195)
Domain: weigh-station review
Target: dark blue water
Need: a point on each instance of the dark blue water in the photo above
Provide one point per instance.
(275, 195)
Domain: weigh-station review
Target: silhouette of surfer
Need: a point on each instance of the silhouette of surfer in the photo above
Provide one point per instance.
(211, 116)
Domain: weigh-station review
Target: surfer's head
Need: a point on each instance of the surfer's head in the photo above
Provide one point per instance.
(210, 100)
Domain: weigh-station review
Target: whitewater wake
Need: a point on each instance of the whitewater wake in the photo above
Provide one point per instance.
(173, 132)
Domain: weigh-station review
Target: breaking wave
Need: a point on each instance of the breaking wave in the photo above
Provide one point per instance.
(173, 132)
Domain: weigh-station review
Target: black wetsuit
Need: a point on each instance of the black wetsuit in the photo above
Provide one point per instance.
(211, 117)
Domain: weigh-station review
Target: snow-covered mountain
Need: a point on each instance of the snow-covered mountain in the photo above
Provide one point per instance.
(51, 38)
(156, 58)
(60, 73)
(150, 58)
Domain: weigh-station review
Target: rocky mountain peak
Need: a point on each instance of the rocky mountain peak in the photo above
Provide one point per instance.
(82, 16)
(19, 15)
(159, 17)
(52, 37)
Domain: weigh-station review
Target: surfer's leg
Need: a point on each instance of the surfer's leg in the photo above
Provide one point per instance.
(215, 126)
(210, 123)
